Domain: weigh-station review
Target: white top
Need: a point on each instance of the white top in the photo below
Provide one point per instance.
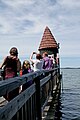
(38, 64)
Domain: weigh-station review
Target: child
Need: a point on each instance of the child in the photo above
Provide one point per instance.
(26, 68)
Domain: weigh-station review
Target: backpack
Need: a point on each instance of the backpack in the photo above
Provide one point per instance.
(46, 63)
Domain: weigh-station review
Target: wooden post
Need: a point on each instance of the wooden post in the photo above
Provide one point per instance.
(52, 83)
(38, 102)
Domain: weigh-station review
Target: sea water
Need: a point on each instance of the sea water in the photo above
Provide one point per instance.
(69, 107)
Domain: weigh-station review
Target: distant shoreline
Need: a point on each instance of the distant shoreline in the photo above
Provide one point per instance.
(70, 68)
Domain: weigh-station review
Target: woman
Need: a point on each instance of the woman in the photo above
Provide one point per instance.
(38, 62)
(11, 66)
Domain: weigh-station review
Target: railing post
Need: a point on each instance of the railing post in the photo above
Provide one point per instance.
(52, 84)
(38, 102)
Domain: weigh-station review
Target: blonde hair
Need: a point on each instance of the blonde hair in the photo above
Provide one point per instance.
(26, 64)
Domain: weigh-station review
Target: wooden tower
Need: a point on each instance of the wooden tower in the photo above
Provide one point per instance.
(48, 43)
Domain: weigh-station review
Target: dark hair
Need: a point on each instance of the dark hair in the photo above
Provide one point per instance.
(38, 56)
(14, 51)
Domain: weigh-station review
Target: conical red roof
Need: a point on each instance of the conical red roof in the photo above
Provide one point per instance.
(48, 40)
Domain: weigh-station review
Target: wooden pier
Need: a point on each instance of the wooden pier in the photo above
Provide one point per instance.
(34, 102)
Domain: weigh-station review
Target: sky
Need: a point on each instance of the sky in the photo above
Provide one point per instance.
(22, 23)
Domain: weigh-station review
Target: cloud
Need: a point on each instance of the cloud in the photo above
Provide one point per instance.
(20, 14)
(69, 3)
(25, 18)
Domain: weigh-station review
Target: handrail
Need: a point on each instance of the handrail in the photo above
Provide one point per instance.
(8, 111)
(40, 79)
(12, 83)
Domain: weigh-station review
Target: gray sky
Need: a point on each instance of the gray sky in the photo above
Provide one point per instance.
(22, 23)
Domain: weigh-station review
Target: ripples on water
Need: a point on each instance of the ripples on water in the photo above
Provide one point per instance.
(69, 108)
